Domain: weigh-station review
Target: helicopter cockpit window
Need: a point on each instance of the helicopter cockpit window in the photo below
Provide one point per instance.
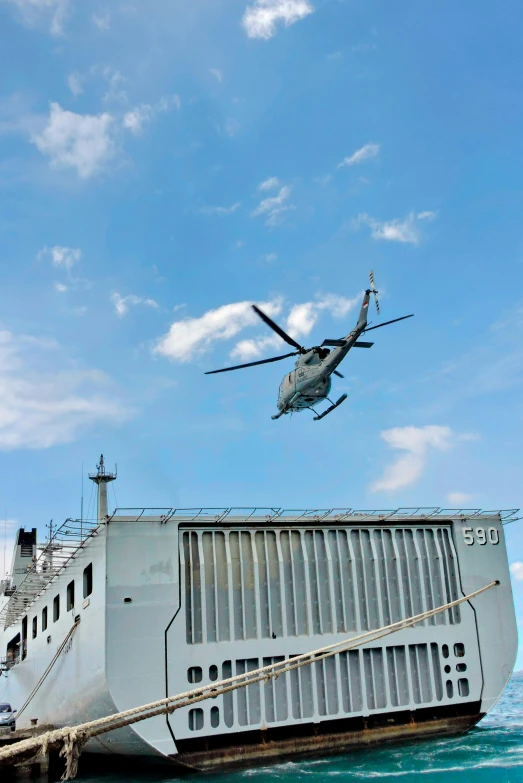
(289, 379)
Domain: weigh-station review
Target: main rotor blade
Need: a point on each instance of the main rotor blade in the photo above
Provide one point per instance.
(386, 323)
(278, 330)
(252, 364)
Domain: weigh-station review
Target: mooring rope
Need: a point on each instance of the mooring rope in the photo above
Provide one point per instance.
(44, 675)
(71, 740)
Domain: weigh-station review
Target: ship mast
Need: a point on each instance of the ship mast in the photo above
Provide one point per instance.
(102, 479)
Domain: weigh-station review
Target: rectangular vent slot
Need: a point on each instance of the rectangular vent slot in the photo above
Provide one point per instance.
(349, 683)
(253, 584)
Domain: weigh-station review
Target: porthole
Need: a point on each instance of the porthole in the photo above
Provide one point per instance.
(196, 719)
(213, 673)
(450, 689)
(463, 687)
(194, 674)
(447, 669)
(445, 650)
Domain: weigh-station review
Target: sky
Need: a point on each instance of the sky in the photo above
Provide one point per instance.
(165, 165)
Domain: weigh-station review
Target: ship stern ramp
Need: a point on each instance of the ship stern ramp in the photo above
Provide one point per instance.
(257, 588)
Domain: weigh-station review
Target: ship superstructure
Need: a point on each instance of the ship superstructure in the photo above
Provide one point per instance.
(140, 604)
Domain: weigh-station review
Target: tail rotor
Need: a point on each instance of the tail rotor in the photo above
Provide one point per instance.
(373, 289)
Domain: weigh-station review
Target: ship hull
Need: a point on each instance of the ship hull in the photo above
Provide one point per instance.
(177, 601)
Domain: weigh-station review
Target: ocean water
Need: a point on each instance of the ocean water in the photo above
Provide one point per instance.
(492, 752)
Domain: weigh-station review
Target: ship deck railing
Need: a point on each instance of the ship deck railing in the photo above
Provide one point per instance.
(337, 515)
(53, 557)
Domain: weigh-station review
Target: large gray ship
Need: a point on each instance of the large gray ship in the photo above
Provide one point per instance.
(138, 604)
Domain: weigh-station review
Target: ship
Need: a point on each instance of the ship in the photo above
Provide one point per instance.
(139, 604)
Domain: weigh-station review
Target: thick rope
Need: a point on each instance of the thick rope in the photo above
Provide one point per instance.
(44, 675)
(72, 739)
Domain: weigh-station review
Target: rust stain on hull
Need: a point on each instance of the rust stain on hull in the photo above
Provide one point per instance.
(319, 744)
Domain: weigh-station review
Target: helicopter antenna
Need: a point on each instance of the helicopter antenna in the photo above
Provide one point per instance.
(373, 289)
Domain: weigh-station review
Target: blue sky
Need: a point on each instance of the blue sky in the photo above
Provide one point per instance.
(164, 165)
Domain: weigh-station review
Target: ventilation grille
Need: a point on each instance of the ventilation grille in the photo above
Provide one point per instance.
(277, 583)
(350, 683)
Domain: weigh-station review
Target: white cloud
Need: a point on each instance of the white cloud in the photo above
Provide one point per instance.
(221, 210)
(274, 207)
(60, 287)
(102, 21)
(115, 81)
(261, 19)
(44, 403)
(80, 141)
(299, 323)
(61, 257)
(192, 336)
(416, 442)
(217, 74)
(397, 230)
(459, 498)
(75, 83)
(269, 184)
(270, 257)
(364, 153)
(516, 569)
(122, 303)
(135, 119)
(33, 10)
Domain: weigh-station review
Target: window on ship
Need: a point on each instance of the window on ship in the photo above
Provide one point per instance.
(24, 638)
(44, 618)
(88, 580)
(56, 608)
(70, 596)
(35, 627)
(13, 651)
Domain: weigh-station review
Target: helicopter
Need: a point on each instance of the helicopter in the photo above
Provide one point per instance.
(310, 382)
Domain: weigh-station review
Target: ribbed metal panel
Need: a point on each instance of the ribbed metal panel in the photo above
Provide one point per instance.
(253, 584)
(353, 682)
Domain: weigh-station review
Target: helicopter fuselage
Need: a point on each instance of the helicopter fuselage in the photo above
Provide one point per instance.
(310, 381)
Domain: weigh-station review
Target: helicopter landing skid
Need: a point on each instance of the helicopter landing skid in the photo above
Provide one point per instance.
(332, 407)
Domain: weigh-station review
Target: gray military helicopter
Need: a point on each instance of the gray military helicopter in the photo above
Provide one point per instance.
(310, 382)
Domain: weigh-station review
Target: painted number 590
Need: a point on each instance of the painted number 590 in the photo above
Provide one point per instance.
(479, 534)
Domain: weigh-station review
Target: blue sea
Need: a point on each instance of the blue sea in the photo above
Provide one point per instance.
(491, 753)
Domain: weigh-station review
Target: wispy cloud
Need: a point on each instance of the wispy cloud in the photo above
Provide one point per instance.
(135, 119)
(75, 83)
(61, 257)
(60, 288)
(218, 75)
(516, 569)
(269, 184)
(191, 337)
(32, 11)
(274, 207)
(102, 21)
(122, 303)
(364, 153)
(416, 443)
(397, 230)
(300, 321)
(46, 400)
(221, 210)
(84, 142)
(261, 19)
